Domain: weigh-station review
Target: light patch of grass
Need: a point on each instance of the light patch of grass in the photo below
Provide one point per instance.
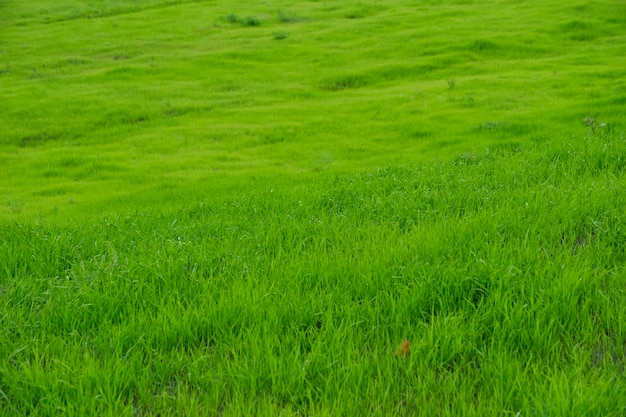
(154, 91)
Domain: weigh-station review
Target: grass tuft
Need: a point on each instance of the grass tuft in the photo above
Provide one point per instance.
(307, 297)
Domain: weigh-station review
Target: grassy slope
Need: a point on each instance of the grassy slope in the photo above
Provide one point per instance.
(271, 265)
(103, 101)
(505, 271)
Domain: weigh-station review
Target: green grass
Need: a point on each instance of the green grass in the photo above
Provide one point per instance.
(104, 101)
(505, 271)
(239, 208)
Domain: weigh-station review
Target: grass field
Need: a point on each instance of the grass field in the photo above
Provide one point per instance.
(244, 208)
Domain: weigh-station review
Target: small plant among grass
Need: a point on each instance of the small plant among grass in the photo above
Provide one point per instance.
(595, 126)
(280, 35)
(288, 17)
(363, 10)
(251, 21)
(345, 82)
(244, 21)
(492, 125)
(232, 18)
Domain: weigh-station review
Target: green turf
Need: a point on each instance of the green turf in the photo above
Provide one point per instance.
(243, 208)
(104, 100)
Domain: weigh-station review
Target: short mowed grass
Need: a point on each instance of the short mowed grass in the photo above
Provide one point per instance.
(239, 208)
(110, 105)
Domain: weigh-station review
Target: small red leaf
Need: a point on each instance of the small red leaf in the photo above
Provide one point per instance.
(404, 349)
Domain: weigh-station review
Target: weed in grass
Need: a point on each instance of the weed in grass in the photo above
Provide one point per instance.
(493, 125)
(38, 139)
(596, 128)
(244, 21)
(280, 35)
(344, 82)
(232, 18)
(251, 21)
(363, 10)
(289, 17)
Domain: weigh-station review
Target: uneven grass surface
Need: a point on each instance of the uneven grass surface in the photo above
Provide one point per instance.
(116, 104)
(241, 208)
(504, 270)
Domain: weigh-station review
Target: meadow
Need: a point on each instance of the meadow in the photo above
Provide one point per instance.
(244, 208)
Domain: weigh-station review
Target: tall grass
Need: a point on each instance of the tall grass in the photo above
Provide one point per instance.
(316, 208)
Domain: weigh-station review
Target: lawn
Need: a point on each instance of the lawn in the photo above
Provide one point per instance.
(241, 208)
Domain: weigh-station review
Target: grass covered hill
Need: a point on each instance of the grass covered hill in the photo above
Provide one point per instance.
(122, 102)
(505, 272)
(328, 208)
